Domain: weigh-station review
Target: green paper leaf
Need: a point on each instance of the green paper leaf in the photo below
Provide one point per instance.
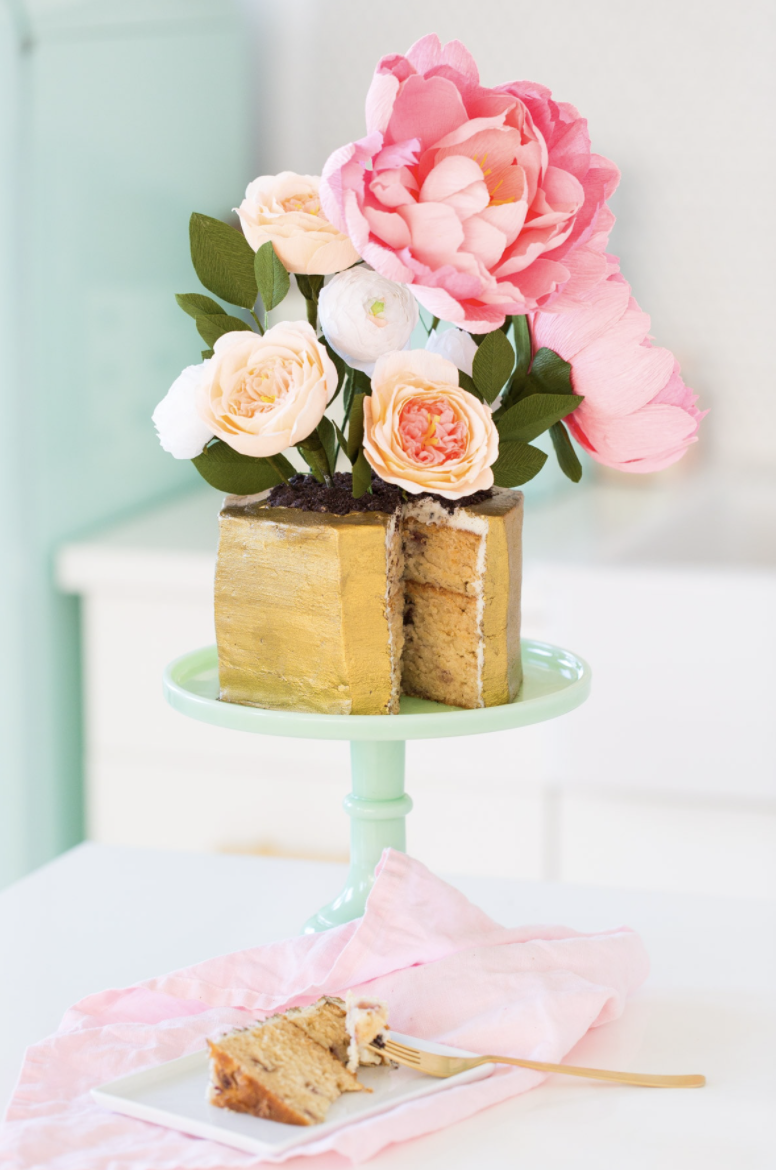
(522, 347)
(340, 367)
(517, 463)
(272, 280)
(211, 327)
(239, 475)
(198, 305)
(467, 383)
(342, 442)
(493, 364)
(358, 383)
(223, 260)
(328, 439)
(314, 455)
(355, 427)
(568, 460)
(534, 414)
(362, 476)
(362, 382)
(309, 286)
(550, 374)
(206, 353)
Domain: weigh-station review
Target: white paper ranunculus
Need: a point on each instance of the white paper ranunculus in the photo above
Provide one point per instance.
(364, 316)
(455, 345)
(180, 428)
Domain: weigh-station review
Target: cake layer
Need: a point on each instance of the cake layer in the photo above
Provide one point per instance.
(435, 554)
(441, 637)
(324, 1022)
(275, 1070)
(308, 609)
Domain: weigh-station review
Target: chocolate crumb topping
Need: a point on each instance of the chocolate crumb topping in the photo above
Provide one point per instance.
(304, 492)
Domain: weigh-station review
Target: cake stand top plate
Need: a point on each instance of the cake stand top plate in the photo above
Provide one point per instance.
(555, 681)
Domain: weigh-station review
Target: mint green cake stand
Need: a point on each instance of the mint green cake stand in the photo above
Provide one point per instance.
(555, 682)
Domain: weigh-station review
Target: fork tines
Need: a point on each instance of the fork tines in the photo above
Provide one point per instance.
(399, 1052)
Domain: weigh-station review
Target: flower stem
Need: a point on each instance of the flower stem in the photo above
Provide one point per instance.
(258, 322)
(276, 466)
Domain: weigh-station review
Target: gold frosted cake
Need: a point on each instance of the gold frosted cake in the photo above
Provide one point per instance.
(339, 614)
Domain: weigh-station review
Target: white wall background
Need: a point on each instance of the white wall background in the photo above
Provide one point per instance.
(678, 92)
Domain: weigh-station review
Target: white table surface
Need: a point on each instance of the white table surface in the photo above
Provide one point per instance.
(106, 917)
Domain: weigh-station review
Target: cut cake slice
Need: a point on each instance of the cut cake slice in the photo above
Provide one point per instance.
(276, 1070)
(292, 1066)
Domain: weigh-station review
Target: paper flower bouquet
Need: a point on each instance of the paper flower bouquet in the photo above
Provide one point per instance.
(487, 208)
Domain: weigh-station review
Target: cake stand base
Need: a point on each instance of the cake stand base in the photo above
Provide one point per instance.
(377, 807)
(554, 682)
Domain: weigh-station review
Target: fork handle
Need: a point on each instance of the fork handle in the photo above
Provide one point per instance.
(650, 1080)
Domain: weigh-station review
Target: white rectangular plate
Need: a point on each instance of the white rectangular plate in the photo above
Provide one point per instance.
(174, 1095)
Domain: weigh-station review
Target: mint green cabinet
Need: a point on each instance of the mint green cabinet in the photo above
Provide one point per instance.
(116, 121)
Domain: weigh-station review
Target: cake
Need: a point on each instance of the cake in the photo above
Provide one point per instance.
(340, 614)
(292, 1067)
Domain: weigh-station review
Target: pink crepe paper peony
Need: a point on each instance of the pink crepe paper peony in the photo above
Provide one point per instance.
(486, 201)
(638, 415)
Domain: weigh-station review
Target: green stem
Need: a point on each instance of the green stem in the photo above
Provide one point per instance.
(524, 355)
(258, 322)
(315, 455)
(277, 467)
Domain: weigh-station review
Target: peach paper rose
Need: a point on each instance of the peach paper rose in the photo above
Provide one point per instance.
(263, 394)
(286, 209)
(423, 432)
(486, 201)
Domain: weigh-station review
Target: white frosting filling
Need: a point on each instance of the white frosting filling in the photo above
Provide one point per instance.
(365, 1019)
(428, 511)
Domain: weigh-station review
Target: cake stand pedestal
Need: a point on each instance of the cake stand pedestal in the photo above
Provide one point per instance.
(555, 682)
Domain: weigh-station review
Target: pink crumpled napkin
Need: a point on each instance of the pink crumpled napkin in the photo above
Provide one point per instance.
(447, 970)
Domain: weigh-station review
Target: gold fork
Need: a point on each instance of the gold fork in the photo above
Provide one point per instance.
(447, 1066)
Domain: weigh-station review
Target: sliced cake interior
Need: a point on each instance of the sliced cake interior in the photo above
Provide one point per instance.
(444, 568)
(324, 1022)
(276, 1070)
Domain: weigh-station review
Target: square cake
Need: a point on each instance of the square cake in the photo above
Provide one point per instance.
(340, 614)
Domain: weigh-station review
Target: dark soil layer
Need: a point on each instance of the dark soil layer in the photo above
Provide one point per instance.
(304, 492)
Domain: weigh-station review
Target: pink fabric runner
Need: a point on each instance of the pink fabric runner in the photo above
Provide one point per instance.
(447, 970)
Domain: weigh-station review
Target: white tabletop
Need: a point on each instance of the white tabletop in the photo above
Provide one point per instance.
(105, 917)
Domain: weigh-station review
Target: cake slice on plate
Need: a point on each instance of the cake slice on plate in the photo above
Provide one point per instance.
(292, 1067)
(275, 1070)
